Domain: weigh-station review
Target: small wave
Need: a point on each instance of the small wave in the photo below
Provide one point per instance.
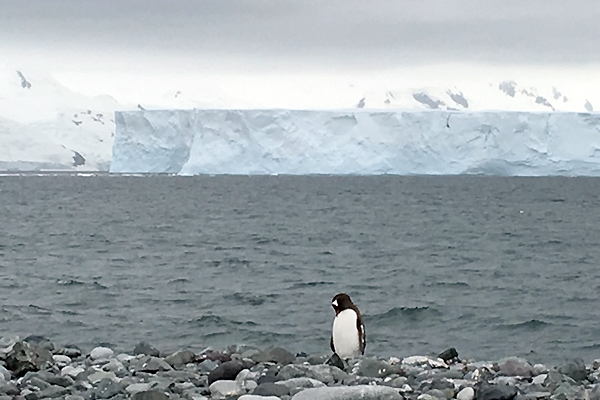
(310, 284)
(217, 321)
(447, 284)
(69, 282)
(248, 299)
(531, 325)
(405, 313)
(179, 280)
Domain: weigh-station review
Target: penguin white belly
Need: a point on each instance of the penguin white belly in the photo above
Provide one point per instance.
(345, 334)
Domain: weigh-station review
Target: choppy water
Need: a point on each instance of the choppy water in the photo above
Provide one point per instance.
(492, 266)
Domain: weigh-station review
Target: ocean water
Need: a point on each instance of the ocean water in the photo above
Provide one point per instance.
(492, 266)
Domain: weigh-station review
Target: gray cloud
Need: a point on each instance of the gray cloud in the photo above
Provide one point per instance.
(346, 32)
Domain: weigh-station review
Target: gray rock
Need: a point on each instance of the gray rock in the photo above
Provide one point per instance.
(146, 349)
(180, 358)
(155, 364)
(70, 351)
(150, 395)
(5, 373)
(40, 342)
(516, 367)
(24, 357)
(276, 355)
(107, 388)
(467, 393)
(324, 373)
(51, 392)
(271, 389)
(138, 387)
(304, 383)
(349, 393)
(101, 353)
(74, 397)
(225, 388)
(371, 367)
(9, 389)
(226, 371)
(208, 365)
(255, 397)
(487, 391)
(574, 369)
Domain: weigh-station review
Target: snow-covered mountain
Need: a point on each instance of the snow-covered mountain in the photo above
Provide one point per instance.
(45, 125)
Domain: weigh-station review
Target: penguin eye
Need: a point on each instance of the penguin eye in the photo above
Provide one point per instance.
(334, 303)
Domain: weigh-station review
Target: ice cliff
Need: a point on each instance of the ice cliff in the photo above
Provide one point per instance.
(357, 141)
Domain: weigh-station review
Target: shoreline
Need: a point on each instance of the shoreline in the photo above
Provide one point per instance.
(34, 369)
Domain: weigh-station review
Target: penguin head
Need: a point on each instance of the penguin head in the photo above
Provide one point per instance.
(341, 302)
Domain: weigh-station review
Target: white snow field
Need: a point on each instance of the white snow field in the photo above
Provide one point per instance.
(356, 141)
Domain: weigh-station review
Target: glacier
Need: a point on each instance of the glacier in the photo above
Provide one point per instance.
(356, 141)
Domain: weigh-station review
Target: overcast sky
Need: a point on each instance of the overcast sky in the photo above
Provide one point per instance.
(297, 35)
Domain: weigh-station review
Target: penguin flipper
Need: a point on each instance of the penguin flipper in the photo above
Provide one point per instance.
(331, 344)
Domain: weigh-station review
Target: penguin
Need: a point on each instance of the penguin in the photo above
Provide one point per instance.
(348, 337)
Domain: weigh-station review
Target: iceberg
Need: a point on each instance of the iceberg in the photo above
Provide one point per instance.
(356, 141)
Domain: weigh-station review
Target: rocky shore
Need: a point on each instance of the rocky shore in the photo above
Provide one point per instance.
(34, 368)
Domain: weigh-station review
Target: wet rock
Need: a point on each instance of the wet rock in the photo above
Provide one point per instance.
(180, 358)
(150, 395)
(514, 366)
(101, 353)
(147, 349)
(226, 371)
(271, 389)
(575, 369)
(495, 392)
(225, 388)
(349, 393)
(449, 356)
(324, 373)
(24, 357)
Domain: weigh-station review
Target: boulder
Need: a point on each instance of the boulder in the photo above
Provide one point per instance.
(180, 358)
(226, 371)
(25, 357)
(487, 391)
(574, 369)
(101, 353)
(147, 349)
